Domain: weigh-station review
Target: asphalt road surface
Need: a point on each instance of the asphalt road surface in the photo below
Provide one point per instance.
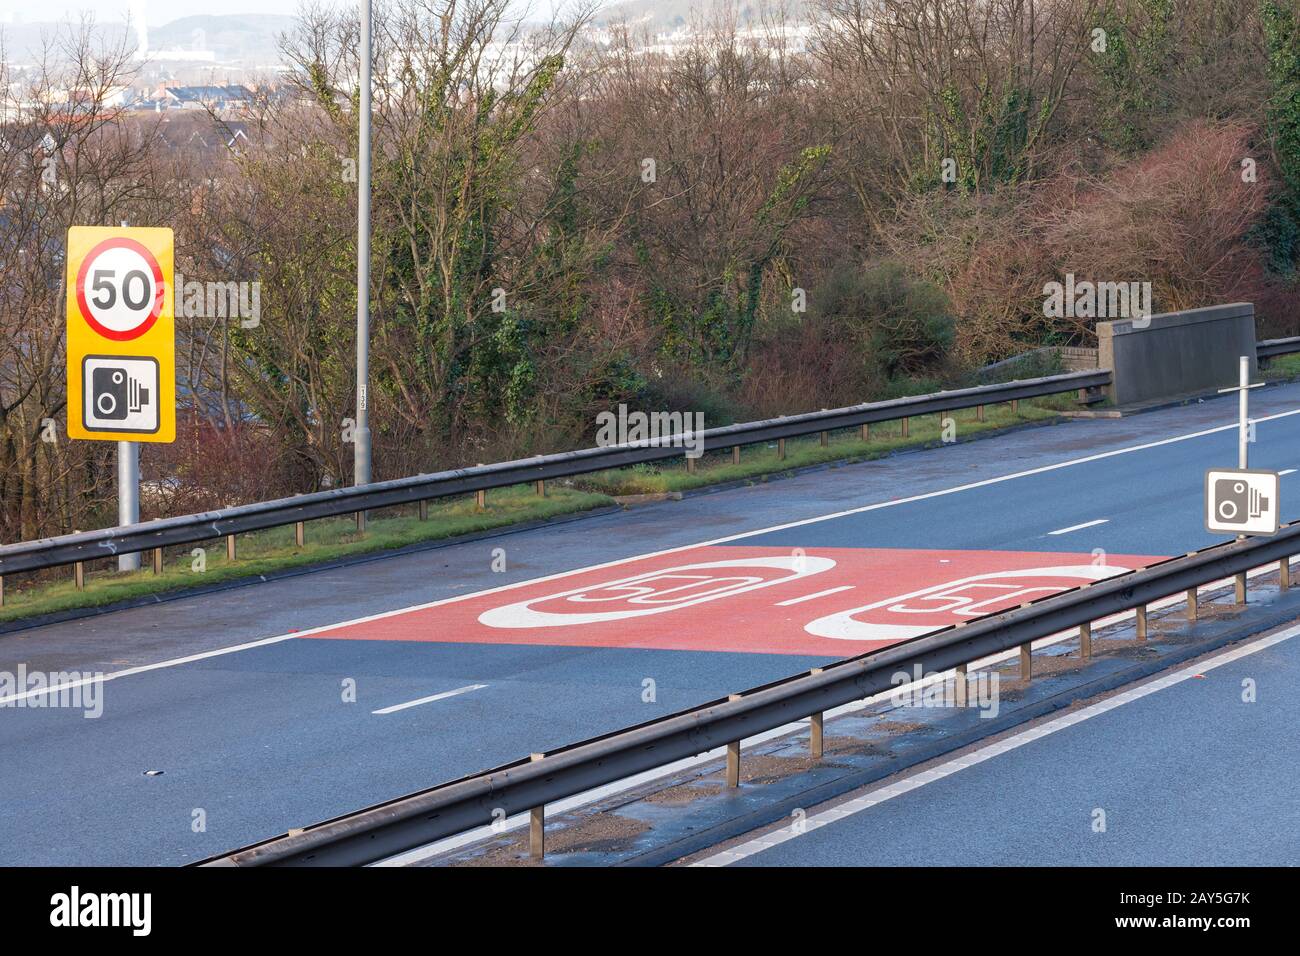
(237, 715)
(1171, 774)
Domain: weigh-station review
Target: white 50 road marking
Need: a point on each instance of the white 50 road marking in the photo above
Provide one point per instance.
(644, 589)
(948, 598)
(983, 483)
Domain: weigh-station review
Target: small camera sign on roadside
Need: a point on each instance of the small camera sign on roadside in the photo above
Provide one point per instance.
(1241, 501)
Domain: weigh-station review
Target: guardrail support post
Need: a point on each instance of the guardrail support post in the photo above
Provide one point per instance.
(300, 533)
(959, 687)
(537, 827)
(690, 465)
(1141, 618)
(1027, 662)
(735, 454)
(733, 757)
(816, 729)
(537, 833)
(733, 765)
(1191, 604)
(1284, 574)
(1085, 640)
(480, 499)
(541, 487)
(866, 432)
(79, 575)
(230, 546)
(1239, 587)
(826, 438)
(2, 590)
(979, 413)
(906, 422)
(780, 449)
(423, 509)
(1015, 406)
(157, 560)
(361, 522)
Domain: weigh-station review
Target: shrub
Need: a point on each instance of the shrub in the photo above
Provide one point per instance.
(901, 325)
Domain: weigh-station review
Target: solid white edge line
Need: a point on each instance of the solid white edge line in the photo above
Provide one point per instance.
(988, 751)
(1042, 469)
(132, 671)
(430, 699)
(1080, 527)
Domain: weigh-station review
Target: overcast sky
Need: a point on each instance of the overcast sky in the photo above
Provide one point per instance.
(159, 12)
(156, 13)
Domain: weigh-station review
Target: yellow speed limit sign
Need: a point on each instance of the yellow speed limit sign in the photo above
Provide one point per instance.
(121, 334)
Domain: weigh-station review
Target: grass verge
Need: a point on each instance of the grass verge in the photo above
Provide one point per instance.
(758, 460)
(1282, 366)
(275, 550)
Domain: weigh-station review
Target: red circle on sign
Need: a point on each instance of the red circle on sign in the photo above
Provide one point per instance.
(120, 242)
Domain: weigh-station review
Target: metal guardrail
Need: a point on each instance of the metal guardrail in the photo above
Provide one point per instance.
(528, 785)
(227, 522)
(1273, 347)
(78, 548)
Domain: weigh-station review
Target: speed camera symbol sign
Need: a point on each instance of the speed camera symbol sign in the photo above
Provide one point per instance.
(1241, 501)
(121, 334)
(121, 394)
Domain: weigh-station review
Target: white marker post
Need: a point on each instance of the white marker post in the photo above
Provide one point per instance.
(1243, 442)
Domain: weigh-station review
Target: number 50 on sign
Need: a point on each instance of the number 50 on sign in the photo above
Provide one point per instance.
(121, 334)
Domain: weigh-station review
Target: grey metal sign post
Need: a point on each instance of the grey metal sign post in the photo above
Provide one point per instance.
(128, 491)
(128, 496)
(1242, 388)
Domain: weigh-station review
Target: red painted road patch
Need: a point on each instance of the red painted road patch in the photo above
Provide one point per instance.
(832, 602)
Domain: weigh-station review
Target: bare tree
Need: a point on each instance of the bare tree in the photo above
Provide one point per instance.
(67, 159)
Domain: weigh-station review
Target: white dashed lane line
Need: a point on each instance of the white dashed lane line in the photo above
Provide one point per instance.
(812, 597)
(1080, 527)
(430, 699)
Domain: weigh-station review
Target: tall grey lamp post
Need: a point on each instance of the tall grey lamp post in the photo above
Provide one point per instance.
(361, 434)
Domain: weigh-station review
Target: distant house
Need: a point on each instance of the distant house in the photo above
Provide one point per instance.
(119, 97)
(210, 138)
(215, 98)
(236, 136)
(110, 98)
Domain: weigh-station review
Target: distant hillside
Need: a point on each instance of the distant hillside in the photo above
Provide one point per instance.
(667, 15)
(249, 38)
(23, 42)
(243, 38)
